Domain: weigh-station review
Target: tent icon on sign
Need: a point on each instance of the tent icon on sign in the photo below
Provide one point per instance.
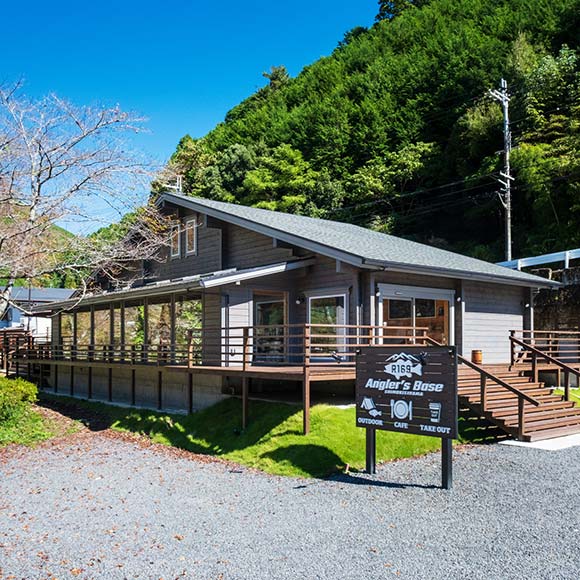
(369, 405)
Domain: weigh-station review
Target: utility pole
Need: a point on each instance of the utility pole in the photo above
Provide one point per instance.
(506, 194)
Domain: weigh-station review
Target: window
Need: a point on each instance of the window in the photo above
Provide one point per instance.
(424, 308)
(269, 317)
(191, 237)
(400, 309)
(176, 240)
(330, 314)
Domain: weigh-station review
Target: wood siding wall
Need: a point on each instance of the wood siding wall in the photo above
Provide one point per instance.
(207, 259)
(491, 311)
(245, 248)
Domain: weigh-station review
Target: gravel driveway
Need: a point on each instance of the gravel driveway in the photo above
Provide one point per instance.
(95, 505)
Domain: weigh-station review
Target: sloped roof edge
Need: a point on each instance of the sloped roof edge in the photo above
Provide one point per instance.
(356, 245)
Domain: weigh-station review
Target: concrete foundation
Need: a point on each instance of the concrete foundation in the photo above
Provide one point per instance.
(155, 388)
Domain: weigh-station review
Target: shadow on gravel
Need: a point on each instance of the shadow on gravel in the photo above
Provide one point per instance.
(359, 480)
(307, 457)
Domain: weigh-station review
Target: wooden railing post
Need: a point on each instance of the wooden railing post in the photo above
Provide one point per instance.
(189, 348)
(567, 385)
(307, 346)
(306, 381)
(512, 349)
(521, 419)
(245, 346)
(535, 366)
(483, 393)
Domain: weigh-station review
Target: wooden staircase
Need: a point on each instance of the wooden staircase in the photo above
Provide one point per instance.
(552, 417)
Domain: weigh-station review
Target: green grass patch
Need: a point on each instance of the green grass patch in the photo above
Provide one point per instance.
(273, 441)
(29, 428)
(574, 394)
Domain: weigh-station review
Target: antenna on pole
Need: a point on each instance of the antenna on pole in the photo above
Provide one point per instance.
(177, 186)
(506, 178)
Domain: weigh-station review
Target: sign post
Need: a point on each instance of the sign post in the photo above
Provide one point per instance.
(408, 389)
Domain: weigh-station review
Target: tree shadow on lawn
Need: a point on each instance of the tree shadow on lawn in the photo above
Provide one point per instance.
(216, 430)
(91, 416)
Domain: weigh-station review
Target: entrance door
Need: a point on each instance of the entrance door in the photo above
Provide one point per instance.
(417, 307)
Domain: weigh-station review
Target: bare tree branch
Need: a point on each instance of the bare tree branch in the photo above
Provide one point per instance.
(56, 159)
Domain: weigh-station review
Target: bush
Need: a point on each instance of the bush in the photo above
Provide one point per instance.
(15, 397)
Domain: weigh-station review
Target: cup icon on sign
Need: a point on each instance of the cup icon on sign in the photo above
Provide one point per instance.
(435, 411)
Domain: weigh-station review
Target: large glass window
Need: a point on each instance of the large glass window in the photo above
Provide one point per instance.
(159, 320)
(134, 325)
(102, 327)
(83, 328)
(329, 312)
(66, 327)
(269, 317)
(188, 323)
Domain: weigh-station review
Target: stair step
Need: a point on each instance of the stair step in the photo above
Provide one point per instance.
(512, 411)
(499, 404)
(540, 418)
(475, 376)
(551, 418)
(543, 434)
(492, 388)
(507, 396)
(554, 422)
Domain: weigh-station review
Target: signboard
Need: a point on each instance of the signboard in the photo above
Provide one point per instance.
(408, 389)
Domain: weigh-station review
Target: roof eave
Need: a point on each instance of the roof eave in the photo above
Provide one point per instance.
(352, 259)
(201, 282)
(536, 282)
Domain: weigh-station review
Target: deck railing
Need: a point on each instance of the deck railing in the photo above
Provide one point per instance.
(563, 345)
(559, 350)
(485, 378)
(312, 345)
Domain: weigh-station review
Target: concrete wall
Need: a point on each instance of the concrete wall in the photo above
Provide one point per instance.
(206, 389)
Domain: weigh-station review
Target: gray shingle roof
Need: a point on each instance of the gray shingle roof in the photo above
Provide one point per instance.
(21, 294)
(372, 248)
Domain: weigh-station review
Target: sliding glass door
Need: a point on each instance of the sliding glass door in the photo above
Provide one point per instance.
(417, 308)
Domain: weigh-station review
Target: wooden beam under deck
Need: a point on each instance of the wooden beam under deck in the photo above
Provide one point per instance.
(281, 373)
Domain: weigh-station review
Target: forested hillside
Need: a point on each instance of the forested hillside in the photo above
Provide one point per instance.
(395, 129)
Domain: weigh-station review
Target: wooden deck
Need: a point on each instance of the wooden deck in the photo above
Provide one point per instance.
(311, 353)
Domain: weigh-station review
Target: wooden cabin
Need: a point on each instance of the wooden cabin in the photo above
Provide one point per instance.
(256, 302)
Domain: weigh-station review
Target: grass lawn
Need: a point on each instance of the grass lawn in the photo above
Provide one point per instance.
(30, 428)
(574, 395)
(272, 441)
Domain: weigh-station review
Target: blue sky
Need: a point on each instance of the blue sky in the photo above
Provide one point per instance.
(183, 64)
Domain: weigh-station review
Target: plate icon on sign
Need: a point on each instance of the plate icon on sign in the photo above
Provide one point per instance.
(401, 410)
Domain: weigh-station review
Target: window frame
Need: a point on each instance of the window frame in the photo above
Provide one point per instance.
(175, 252)
(193, 225)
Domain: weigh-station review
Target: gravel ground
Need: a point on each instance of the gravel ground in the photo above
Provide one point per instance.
(94, 505)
